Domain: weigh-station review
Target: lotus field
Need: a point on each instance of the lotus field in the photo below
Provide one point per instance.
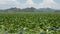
(30, 23)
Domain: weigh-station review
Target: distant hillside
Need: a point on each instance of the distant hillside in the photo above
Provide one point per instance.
(46, 9)
(32, 9)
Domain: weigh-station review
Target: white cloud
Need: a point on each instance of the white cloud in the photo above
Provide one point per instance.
(29, 3)
(4, 4)
(14, 3)
(49, 4)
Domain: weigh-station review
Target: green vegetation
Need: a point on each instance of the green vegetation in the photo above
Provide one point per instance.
(32, 22)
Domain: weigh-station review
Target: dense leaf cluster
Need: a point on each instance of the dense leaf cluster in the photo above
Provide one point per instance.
(33, 22)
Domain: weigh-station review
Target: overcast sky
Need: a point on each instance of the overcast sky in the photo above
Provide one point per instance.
(5, 4)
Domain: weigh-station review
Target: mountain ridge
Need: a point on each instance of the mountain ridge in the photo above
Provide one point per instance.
(31, 9)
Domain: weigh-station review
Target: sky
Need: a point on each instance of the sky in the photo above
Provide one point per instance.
(54, 4)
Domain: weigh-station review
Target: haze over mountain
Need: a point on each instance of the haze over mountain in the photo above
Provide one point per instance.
(30, 9)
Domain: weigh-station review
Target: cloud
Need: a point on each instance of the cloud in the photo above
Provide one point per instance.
(30, 3)
(4, 4)
(49, 4)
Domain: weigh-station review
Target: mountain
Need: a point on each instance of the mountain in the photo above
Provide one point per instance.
(13, 10)
(46, 9)
(31, 9)
(57, 11)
